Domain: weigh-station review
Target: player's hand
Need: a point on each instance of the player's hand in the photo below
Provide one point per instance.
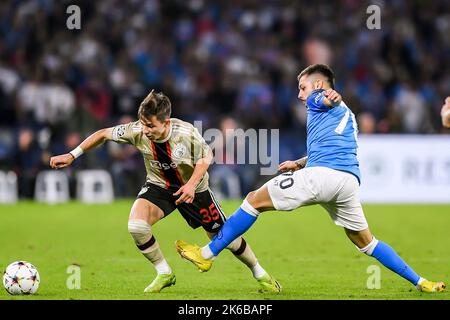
(187, 194)
(288, 166)
(61, 161)
(333, 96)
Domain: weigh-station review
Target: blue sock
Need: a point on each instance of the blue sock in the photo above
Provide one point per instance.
(234, 227)
(390, 259)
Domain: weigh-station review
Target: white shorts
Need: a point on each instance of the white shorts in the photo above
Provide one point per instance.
(336, 191)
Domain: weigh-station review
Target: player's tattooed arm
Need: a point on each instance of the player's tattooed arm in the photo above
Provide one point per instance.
(332, 98)
(301, 163)
(293, 165)
(94, 140)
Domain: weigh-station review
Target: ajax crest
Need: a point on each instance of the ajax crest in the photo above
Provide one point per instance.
(179, 151)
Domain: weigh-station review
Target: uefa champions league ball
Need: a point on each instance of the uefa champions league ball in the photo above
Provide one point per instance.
(21, 277)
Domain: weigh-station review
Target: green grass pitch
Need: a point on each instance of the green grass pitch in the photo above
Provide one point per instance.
(303, 249)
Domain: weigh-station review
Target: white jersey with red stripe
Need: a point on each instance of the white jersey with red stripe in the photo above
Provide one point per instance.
(169, 162)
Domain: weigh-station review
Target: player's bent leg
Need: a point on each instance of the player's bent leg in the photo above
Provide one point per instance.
(387, 256)
(242, 250)
(284, 192)
(239, 222)
(143, 215)
(260, 199)
(234, 227)
(143, 209)
(360, 238)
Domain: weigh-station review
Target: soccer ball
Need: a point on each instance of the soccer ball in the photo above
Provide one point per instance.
(21, 277)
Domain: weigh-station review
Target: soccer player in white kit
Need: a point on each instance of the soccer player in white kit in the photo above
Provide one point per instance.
(328, 176)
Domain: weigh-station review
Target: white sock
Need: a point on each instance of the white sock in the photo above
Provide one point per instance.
(420, 281)
(207, 253)
(162, 267)
(258, 271)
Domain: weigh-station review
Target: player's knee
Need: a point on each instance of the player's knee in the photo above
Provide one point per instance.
(247, 207)
(140, 230)
(252, 199)
(259, 199)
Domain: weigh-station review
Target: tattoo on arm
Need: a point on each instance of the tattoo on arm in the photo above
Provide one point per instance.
(301, 163)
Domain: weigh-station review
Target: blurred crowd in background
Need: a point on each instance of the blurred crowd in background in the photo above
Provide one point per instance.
(227, 63)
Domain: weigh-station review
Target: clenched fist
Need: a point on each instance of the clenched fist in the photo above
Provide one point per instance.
(333, 96)
(61, 161)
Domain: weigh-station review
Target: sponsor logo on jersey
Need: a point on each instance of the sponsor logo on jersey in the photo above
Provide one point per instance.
(163, 166)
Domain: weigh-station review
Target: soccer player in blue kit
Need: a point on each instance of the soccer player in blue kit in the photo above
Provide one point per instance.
(329, 175)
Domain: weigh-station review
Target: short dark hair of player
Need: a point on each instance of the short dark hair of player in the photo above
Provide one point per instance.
(323, 69)
(155, 104)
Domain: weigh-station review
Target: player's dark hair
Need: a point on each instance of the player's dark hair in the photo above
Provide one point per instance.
(323, 69)
(155, 104)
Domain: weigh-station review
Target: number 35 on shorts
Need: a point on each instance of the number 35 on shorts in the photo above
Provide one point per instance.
(210, 214)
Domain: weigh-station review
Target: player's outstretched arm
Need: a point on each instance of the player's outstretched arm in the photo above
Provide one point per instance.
(445, 113)
(293, 165)
(94, 140)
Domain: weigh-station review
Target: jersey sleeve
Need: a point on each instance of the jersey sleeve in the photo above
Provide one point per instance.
(126, 133)
(199, 146)
(314, 102)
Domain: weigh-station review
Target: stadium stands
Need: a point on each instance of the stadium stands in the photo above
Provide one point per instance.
(215, 60)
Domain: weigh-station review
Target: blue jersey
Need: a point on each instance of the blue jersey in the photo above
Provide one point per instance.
(331, 135)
